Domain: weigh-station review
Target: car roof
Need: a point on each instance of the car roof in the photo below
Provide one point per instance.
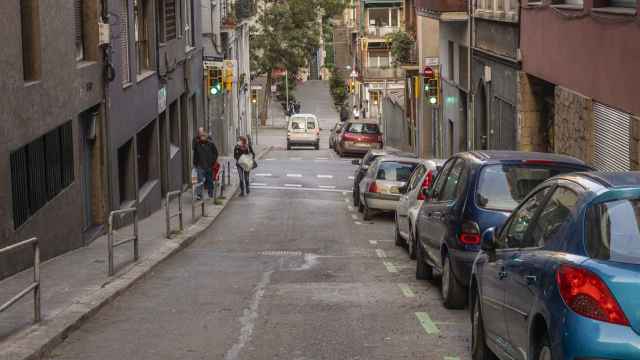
(392, 157)
(612, 179)
(363, 121)
(495, 156)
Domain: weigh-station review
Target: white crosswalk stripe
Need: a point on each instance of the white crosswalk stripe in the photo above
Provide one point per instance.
(325, 176)
(293, 185)
(294, 175)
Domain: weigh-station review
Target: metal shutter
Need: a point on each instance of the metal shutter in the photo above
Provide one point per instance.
(66, 154)
(77, 7)
(52, 157)
(611, 138)
(20, 186)
(170, 19)
(37, 175)
(124, 38)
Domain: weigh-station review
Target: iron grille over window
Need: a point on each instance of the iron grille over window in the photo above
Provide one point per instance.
(40, 170)
(77, 9)
(170, 19)
(124, 35)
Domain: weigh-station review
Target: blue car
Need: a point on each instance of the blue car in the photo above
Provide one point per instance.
(473, 192)
(561, 278)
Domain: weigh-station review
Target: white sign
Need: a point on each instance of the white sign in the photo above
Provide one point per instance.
(431, 61)
(162, 100)
(211, 64)
(274, 88)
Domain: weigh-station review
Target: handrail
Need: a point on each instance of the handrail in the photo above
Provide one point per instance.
(195, 202)
(110, 237)
(171, 194)
(35, 285)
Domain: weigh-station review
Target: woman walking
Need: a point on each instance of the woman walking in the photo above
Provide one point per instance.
(243, 148)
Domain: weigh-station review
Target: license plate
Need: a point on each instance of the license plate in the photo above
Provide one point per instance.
(362, 144)
(394, 190)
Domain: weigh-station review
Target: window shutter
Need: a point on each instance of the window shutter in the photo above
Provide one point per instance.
(37, 175)
(170, 19)
(52, 157)
(77, 7)
(20, 186)
(66, 153)
(124, 37)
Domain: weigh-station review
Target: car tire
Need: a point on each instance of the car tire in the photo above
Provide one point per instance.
(542, 350)
(356, 198)
(367, 214)
(479, 348)
(288, 146)
(423, 270)
(411, 245)
(453, 293)
(360, 207)
(317, 146)
(399, 240)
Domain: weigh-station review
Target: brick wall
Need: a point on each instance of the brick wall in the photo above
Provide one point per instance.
(573, 124)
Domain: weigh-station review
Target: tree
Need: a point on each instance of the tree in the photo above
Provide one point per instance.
(286, 34)
(401, 45)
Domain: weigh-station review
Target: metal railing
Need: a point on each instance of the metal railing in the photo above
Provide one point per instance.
(170, 216)
(112, 244)
(195, 203)
(35, 285)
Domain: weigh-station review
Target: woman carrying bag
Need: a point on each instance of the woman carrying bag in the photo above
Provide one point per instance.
(245, 162)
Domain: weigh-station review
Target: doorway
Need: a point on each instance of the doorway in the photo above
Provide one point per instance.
(91, 173)
(482, 136)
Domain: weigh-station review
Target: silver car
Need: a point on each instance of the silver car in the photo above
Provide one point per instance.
(412, 198)
(381, 186)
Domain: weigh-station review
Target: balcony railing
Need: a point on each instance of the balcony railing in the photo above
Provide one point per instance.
(441, 6)
(381, 31)
(372, 72)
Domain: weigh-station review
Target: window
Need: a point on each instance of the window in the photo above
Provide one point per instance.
(442, 177)
(78, 6)
(361, 128)
(124, 38)
(498, 5)
(557, 212)
(30, 24)
(379, 17)
(174, 129)
(613, 231)
(170, 19)
(161, 22)
(632, 4)
(452, 182)
(40, 170)
(188, 20)
(126, 174)
(417, 175)
(395, 171)
(517, 227)
(143, 26)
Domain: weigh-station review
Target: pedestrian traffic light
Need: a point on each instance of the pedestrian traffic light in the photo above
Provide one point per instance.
(214, 82)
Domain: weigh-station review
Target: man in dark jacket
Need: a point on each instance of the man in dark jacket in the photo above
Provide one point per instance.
(344, 113)
(205, 155)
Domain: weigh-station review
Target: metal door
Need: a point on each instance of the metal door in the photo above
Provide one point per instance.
(611, 132)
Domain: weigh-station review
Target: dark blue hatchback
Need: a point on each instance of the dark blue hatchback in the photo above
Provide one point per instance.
(561, 278)
(473, 192)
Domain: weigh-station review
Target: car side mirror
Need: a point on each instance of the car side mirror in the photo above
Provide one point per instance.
(488, 241)
(355, 162)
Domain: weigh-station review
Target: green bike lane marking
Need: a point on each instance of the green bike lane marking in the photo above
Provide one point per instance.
(427, 324)
(406, 290)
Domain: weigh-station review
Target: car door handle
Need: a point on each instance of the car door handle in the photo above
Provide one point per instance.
(531, 279)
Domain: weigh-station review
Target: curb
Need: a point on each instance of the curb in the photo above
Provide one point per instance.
(38, 340)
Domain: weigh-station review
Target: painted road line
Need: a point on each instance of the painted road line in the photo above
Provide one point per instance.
(427, 324)
(263, 175)
(381, 254)
(293, 185)
(351, 177)
(406, 290)
(294, 175)
(326, 187)
(354, 216)
(357, 222)
(344, 193)
(351, 208)
(390, 267)
(322, 158)
(297, 188)
(295, 158)
(451, 358)
(258, 184)
(373, 242)
(270, 159)
(325, 176)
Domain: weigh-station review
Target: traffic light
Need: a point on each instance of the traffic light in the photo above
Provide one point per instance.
(431, 89)
(228, 75)
(214, 82)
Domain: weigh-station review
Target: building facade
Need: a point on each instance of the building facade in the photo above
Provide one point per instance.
(578, 93)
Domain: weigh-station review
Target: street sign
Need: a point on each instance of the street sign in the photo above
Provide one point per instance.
(354, 73)
(428, 72)
(209, 64)
(431, 61)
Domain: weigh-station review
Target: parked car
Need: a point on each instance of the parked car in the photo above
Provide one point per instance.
(358, 137)
(411, 200)
(561, 279)
(381, 186)
(363, 166)
(473, 192)
(303, 130)
(335, 132)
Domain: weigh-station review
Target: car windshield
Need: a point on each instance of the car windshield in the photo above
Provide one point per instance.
(613, 231)
(395, 171)
(502, 187)
(359, 128)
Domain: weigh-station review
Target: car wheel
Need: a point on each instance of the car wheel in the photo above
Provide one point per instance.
(543, 349)
(399, 240)
(317, 145)
(453, 293)
(479, 349)
(367, 214)
(356, 199)
(411, 244)
(423, 270)
(360, 207)
(288, 146)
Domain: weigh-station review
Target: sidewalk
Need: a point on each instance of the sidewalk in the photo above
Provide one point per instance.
(76, 285)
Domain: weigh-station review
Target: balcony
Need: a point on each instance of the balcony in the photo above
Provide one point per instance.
(447, 10)
(379, 32)
(382, 73)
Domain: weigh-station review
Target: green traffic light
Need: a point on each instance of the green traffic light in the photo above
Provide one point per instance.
(216, 89)
(433, 100)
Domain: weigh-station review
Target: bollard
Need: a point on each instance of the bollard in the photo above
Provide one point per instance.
(229, 172)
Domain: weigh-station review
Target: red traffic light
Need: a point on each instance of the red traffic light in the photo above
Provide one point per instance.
(428, 72)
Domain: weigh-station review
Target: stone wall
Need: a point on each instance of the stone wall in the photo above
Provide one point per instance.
(531, 132)
(573, 124)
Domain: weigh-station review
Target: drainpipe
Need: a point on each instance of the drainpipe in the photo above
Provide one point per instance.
(471, 96)
(108, 76)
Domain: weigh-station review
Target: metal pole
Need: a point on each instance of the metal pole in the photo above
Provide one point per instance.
(180, 212)
(193, 202)
(110, 246)
(286, 85)
(136, 240)
(36, 279)
(168, 215)
(229, 172)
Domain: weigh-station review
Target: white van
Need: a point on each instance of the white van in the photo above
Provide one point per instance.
(303, 130)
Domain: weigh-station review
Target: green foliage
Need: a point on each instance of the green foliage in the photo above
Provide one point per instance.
(401, 45)
(338, 88)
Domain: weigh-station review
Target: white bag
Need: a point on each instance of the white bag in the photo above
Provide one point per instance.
(246, 162)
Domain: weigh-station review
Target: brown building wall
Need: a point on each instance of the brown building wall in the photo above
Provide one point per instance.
(594, 57)
(573, 124)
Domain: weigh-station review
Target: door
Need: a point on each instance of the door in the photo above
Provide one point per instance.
(525, 267)
(424, 224)
(482, 140)
(442, 215)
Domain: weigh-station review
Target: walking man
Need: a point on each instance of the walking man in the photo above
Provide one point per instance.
(205, 155)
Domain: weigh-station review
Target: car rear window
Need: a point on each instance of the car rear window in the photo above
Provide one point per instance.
(395, 171)
(503, 187)
(613, 231)
(359, 128)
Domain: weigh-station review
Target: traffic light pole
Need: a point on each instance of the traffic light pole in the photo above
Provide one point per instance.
(286, 87)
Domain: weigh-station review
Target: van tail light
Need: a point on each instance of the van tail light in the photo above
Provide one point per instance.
(586, 294)
(470, 234)
(379, 138)
(426, 184)
(373, 187)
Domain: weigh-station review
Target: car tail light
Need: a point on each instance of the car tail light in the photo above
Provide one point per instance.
(470, 234)
(426, 184)
(373, 187)
(586, 294)
(347, 136)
